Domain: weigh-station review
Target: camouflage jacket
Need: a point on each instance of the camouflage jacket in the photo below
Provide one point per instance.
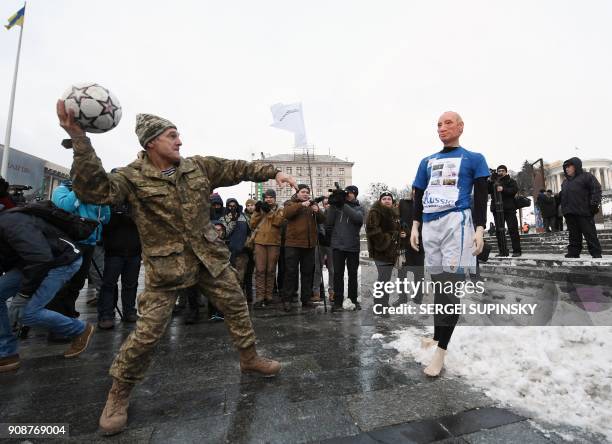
(172, 213)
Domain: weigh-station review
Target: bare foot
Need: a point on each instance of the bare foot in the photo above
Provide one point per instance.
(428, 342)
(437, 362)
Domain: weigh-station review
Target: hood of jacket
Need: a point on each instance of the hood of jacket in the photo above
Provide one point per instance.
(573, 161)
(216, 199)
(230, 200)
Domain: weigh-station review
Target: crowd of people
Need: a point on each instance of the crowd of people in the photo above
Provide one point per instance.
(162, 211)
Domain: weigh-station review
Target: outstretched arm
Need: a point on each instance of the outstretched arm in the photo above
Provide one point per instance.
(225, 173)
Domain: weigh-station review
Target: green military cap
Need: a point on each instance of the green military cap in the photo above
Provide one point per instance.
(148, 127)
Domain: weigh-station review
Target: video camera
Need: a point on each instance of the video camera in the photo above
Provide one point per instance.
(16, 193)
(494, 177)
(337, 196)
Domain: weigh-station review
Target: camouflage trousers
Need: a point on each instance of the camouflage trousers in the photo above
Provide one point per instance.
(155, 312)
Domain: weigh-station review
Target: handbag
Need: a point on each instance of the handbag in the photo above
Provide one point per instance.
(522, 202)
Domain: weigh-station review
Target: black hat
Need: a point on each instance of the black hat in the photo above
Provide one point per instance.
(502, 167)
(352, 189)
(386, 193)
(270, 192)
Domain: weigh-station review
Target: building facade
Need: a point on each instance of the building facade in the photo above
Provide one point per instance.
(600, 168)
(324, 170)
(31, 171)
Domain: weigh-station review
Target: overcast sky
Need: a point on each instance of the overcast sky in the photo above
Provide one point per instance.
(530, 78)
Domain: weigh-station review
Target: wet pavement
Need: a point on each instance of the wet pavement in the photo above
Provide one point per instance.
(338, 385)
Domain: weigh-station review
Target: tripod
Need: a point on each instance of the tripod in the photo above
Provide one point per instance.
(116, 291)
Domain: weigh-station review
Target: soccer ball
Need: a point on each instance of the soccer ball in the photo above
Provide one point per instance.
(95, 108)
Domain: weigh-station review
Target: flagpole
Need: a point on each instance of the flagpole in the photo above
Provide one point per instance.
(9, 123)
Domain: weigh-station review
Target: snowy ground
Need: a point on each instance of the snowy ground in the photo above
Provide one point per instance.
(559, 375)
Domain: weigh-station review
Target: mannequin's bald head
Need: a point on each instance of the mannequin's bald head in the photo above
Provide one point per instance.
(450, 128)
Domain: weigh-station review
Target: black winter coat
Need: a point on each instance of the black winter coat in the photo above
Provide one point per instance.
(120, 235)
(510, 189)
(580, 194)
(344, 224)
(33, 246)
(547, 205)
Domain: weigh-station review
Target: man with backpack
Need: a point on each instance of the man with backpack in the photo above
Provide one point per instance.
(38, 258)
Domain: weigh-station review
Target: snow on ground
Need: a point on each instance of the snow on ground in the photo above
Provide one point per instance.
(556, 374)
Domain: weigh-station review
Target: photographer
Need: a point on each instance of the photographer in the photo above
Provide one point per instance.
(302, 216)
(580, 201)
(265, 224)
(344, 221)
(38, 260)
(5, 198)
(502, 186)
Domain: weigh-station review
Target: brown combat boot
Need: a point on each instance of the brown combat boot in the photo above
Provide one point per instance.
(251, 362)
(114, 416)
(316, 297)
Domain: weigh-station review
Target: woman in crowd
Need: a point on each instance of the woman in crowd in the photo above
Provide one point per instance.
(265, 226)
(384, 235)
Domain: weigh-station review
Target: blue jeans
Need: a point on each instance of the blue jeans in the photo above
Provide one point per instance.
(35, 313)
(129, 269)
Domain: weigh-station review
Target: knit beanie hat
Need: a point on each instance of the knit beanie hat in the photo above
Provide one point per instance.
(502, 167)
(386, 193)
(270, 192)
(148, 127)
(352, 189)
(250, 202)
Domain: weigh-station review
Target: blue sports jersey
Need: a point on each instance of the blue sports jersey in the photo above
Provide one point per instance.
(448, 179)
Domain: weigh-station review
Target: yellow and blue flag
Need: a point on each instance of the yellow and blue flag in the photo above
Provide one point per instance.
(16, 19)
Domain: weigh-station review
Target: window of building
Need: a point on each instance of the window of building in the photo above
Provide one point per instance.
(319, 183)
(289, 170)
(298, 171)
(330, 170)
(319, 171)
(341, 183)
(341, 171)
(329, 183)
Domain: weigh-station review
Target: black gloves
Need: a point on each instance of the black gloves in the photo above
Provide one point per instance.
(594, 209)
(265, 206)
(258, 205)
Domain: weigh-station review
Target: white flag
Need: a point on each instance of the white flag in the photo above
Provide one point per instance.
(290, 117)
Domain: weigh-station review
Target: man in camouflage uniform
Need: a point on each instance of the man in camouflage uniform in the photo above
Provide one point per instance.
(180, 248)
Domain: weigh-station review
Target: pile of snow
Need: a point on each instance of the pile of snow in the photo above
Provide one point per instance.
(557, 374)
